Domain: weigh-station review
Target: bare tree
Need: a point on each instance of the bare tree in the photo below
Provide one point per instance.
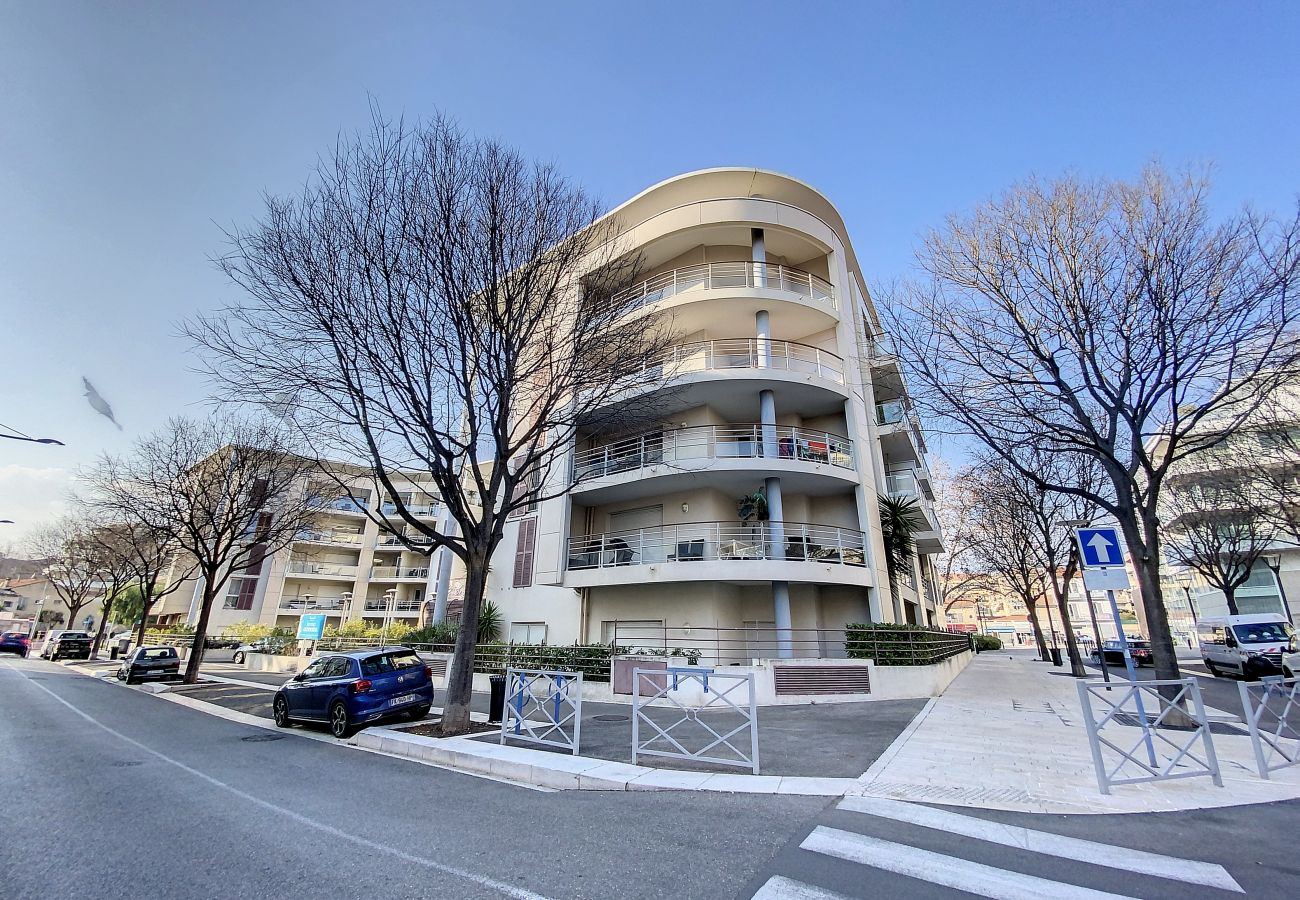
(1088, 319)
(962, 578)
(435, 304)
(227, 492)
(111, 548)
(75, 567)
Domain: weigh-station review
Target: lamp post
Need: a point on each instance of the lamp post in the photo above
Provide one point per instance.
(1274, 563)
(390, 598)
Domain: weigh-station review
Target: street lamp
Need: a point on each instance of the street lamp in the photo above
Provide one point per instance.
(1274, 563)
(390, 598)
(20, 436)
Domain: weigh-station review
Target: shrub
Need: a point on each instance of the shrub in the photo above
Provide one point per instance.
(901, 645)
(592, 660)
(987, 642)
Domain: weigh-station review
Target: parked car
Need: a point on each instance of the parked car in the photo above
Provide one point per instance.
(1249, 646)
(1290, 665)
(1113, 651)
(15, 642)
(66, 645)
(350, 690)
(150, 662)
(263, 645)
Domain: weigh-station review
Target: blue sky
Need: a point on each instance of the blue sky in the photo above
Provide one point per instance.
(129, 132)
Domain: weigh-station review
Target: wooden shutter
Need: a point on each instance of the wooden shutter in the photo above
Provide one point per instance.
(524, 548)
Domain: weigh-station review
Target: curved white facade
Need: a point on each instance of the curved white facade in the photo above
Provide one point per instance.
(775, 386)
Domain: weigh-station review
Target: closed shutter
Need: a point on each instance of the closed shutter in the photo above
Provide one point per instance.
(524, 548)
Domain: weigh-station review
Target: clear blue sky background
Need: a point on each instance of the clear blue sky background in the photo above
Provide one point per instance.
(130, 131)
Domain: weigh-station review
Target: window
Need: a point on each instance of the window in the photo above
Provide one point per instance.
(337, 667)
(315, 670)
(525, 547)
(240, 592)
(644, 632)
(528, 632)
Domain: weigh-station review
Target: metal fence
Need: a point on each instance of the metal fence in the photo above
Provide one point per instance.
(696, 715)
(1271, 708)
(713, 276)
(1141, 735)
(543, 708)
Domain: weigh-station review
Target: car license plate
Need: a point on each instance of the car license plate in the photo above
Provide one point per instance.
(404, 698)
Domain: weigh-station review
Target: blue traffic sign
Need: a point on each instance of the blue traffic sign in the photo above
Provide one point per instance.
(1100, 547)
(311, 627)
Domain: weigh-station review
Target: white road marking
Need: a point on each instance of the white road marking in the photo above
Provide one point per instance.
(481, 880)
(1171, 867)
(949, 871)
(778, 887)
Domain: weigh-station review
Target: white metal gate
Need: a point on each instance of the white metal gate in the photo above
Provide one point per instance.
(1274, 729)
(543, 707)
(1130, 724)
(697, 714)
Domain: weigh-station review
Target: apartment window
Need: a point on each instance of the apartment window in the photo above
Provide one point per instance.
(528, 632)
(525, 548)
(240, 592)
(633, 632)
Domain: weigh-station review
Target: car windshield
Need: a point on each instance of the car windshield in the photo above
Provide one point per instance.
(1263, 633)
(73, 635)
(1139, 645)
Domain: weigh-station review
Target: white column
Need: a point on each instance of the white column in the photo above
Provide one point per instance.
(445, 558)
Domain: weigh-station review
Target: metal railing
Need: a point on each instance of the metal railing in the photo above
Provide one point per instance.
(721, 275)
(382, 605)
(891, 412)
(330, 537)
(708, 716)
(718, 541)
(392, 540)
(543, 707)
(749, 353)
(705, 442)
(300, 604)
(1130, 745)
(346, 504)
(399, 572)
(1271, 708)
(298, 567)
(419, 510)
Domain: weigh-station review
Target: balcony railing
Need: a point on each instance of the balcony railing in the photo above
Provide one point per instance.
(891, 412)
(749, 353)
(346, 504)
(902, 484)
(308, 604)
(717, 541)
(704, 442)
(382, 605)
(312, 568)
(419, 510)
(330, 537)
(392, 540)
(719, 275)
(399, 572)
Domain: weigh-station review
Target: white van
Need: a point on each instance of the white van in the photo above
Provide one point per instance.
(1250, 646)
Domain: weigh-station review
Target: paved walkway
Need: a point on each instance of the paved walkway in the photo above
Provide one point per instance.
(1009, 734)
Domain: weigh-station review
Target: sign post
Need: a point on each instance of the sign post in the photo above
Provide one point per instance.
(1103, 570)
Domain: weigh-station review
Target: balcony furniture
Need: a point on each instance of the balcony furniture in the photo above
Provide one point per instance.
(798, 548)
(690, 551)
(740, 550)
(785, 447)
(618, 553)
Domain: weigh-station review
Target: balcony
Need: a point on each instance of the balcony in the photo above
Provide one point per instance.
(392, 540)
(313, 604)
(344, 538)
(719, 551)
(380, 605)
(749, 353)
(900, 432)
(904, 483)
(418, 510)
(345, 504)
(711, 442)
(729, 275)
(397, 573)
(320, 570)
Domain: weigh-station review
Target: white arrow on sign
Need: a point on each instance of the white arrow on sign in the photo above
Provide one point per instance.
(1101, 547)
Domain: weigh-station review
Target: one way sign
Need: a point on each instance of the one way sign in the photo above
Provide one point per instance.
(1100, 547)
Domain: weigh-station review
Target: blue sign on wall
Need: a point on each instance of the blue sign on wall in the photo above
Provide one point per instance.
(311, 627)
(1100, 547)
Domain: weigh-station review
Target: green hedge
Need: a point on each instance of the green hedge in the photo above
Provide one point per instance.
(592, 660)
(902, 645)
(987, 642)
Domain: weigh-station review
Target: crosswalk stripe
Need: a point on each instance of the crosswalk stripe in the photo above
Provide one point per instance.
(778, 887)
(1130, 860)
(949, 871)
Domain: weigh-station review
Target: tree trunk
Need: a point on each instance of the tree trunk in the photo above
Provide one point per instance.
(72, 615)
(103, 622)
(1230, 594)
(459, 689)
(1038, 632)
(1071, 642)
(145, 606)
(200, 633)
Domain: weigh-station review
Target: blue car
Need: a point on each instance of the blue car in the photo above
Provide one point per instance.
(350, 690)
(15, 642)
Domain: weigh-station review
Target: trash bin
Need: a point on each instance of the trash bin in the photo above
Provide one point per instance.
(497, 703)
(112, 651)
(1056, 656)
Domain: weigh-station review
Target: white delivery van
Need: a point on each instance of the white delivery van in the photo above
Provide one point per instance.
(1250, 646)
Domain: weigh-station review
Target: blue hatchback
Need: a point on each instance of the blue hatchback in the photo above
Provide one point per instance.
(349, 690)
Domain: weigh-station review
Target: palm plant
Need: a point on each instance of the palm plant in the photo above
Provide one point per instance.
(900, 521)
(489, 623)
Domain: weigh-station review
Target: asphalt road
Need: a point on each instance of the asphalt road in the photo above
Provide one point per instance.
(123, 794)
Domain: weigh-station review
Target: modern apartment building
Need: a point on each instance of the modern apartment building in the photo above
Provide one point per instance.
(782, 383)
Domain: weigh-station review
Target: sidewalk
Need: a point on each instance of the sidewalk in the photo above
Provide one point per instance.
(1009, 734)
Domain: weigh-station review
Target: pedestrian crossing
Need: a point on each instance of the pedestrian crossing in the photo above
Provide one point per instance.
(931, 871)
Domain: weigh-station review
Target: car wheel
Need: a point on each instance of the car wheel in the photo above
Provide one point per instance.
(239, 659)
(418, 712)
(130, 676)
(340, 722)
(120, 675)
(280, 712)
(1214, 670)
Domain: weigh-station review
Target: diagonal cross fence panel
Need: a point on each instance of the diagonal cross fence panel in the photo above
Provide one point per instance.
(1137, 734)
(1271, 708)
(696, 714)
(543, 707)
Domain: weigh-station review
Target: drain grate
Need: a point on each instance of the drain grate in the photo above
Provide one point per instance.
(611, 718)
(259, 738)
(126, 763)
